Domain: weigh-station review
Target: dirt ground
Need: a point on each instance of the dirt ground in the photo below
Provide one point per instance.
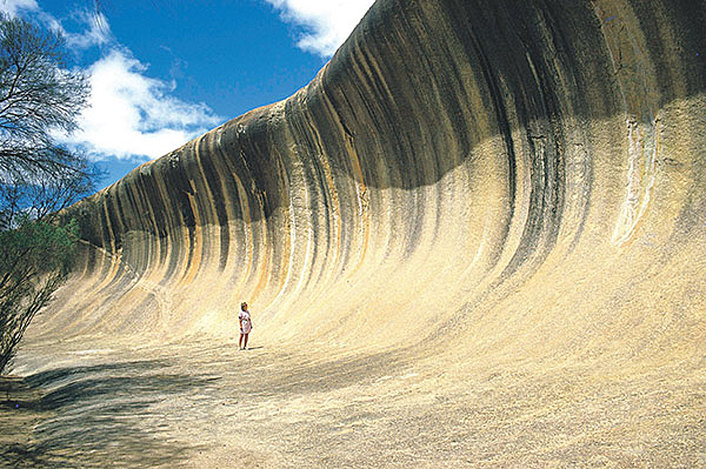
(211, 405)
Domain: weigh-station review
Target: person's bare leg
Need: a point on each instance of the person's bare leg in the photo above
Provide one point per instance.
(240, 342)
(245, 343)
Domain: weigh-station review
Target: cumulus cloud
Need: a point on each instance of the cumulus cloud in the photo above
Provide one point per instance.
(327, 24)
(132, 114)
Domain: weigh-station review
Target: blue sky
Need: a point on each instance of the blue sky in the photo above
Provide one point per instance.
(165, 71)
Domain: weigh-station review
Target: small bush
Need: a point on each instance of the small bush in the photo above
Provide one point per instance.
(34, 260)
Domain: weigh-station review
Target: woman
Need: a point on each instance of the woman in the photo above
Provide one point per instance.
(245, 325)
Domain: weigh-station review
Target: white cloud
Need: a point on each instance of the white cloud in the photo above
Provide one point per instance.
(13, 7)
(98, 31)
(328, 22)
(97, 34)
(132, 114)
(129, 114)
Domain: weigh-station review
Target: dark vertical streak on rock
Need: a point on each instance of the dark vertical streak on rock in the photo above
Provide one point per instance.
(501, 121)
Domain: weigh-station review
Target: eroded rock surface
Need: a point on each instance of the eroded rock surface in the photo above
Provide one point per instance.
(499, 204)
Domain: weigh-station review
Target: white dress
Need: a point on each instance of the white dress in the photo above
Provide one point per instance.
(245, 324)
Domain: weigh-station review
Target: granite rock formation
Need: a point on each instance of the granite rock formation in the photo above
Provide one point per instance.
(455, 164)
(498, 182)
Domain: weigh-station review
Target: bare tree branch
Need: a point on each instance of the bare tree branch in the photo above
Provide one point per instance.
(38, 96)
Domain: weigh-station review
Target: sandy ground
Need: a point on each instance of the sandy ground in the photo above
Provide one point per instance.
(211, 405)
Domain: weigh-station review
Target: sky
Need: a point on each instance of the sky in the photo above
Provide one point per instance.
(163, 72)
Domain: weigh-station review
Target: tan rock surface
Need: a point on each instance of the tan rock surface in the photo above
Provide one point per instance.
(475, 239)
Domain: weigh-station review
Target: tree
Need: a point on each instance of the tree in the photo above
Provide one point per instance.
(34, 261)
(39, 97)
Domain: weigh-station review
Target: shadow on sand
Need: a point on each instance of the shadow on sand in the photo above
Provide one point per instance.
(90, 416)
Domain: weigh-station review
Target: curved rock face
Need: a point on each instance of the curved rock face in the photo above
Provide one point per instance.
(520, 179)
